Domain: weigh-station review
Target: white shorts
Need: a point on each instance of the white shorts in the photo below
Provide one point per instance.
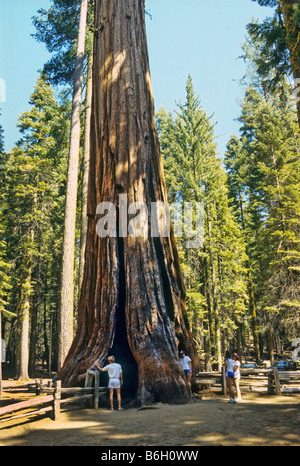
(114, 383)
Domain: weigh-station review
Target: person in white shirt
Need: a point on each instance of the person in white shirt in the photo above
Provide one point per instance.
(115, 380)
(229, 373)
(186, 365)
(237, 375)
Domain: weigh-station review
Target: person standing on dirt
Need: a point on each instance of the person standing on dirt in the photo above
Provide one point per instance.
(237, 375)
(229, 374)
(186, 365)
(115, 380)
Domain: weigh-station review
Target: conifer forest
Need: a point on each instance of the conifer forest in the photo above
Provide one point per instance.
(74, 286)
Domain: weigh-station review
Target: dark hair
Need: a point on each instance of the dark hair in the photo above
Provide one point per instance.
(227, 354)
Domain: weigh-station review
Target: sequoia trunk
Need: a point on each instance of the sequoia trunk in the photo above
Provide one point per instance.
(132, 299)
(85, 168)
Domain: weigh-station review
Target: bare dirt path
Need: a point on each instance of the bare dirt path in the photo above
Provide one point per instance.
(259, 420)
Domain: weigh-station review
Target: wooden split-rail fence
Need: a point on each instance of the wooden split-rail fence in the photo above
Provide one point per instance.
(50, 399)
(269, 380)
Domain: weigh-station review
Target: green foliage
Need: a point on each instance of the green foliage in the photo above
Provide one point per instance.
(264, 182)
(4, 265)
(270, 50)
(35, 173)
(279, 42)
(57, 28)
(271, 3)
(214, 273)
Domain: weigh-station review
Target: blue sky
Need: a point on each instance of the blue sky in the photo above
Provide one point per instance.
(198, 37)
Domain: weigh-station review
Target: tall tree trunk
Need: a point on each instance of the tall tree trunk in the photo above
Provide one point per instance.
(33, 334)
(35, 305)
(67, 274)
(252, 304)
(132, 300)
(270, 345)
(24, 331)
(46, 341)
(214, 298)
(253, 314)
(23, 358)
(208, 320)
(86, 161)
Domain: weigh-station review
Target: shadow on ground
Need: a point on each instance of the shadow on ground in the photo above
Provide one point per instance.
(258, 421)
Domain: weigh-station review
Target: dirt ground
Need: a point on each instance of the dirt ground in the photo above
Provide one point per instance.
(260, 420)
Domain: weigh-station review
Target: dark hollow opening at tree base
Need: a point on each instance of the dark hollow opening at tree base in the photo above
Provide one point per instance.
(120, 348)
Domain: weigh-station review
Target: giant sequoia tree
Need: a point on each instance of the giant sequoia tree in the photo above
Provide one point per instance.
(132, 299)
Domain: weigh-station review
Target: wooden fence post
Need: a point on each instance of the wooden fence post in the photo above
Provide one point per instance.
(37, 390)
(88, 383)
(224, 384)
(56, 400)
(96, 396)
(277, 381)
(270, 389)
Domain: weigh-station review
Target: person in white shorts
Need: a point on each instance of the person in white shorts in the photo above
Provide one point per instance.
(115, 380)
(237, 375)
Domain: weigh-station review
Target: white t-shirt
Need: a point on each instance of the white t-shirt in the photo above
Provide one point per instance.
(185, 363)
(237, 374)
(230, 364)
(114, 370)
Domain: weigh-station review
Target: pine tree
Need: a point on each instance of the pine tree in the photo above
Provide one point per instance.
(215, 273)
(57, 28)
(68, 253)
(272, 145)
(263, 168)
(53, 28)
(5, 282)
(288, 12)
(235, 164)
(34, 175)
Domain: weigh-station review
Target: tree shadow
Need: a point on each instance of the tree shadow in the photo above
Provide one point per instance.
(210, 422)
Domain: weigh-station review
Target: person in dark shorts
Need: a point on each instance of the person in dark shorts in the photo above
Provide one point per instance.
(229, 373)
(186, 365)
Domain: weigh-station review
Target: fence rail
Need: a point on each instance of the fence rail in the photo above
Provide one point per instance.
(270, 380)
(54, 398)
(18, 387)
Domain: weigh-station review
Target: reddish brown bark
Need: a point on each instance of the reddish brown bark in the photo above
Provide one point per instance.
(132, 300)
